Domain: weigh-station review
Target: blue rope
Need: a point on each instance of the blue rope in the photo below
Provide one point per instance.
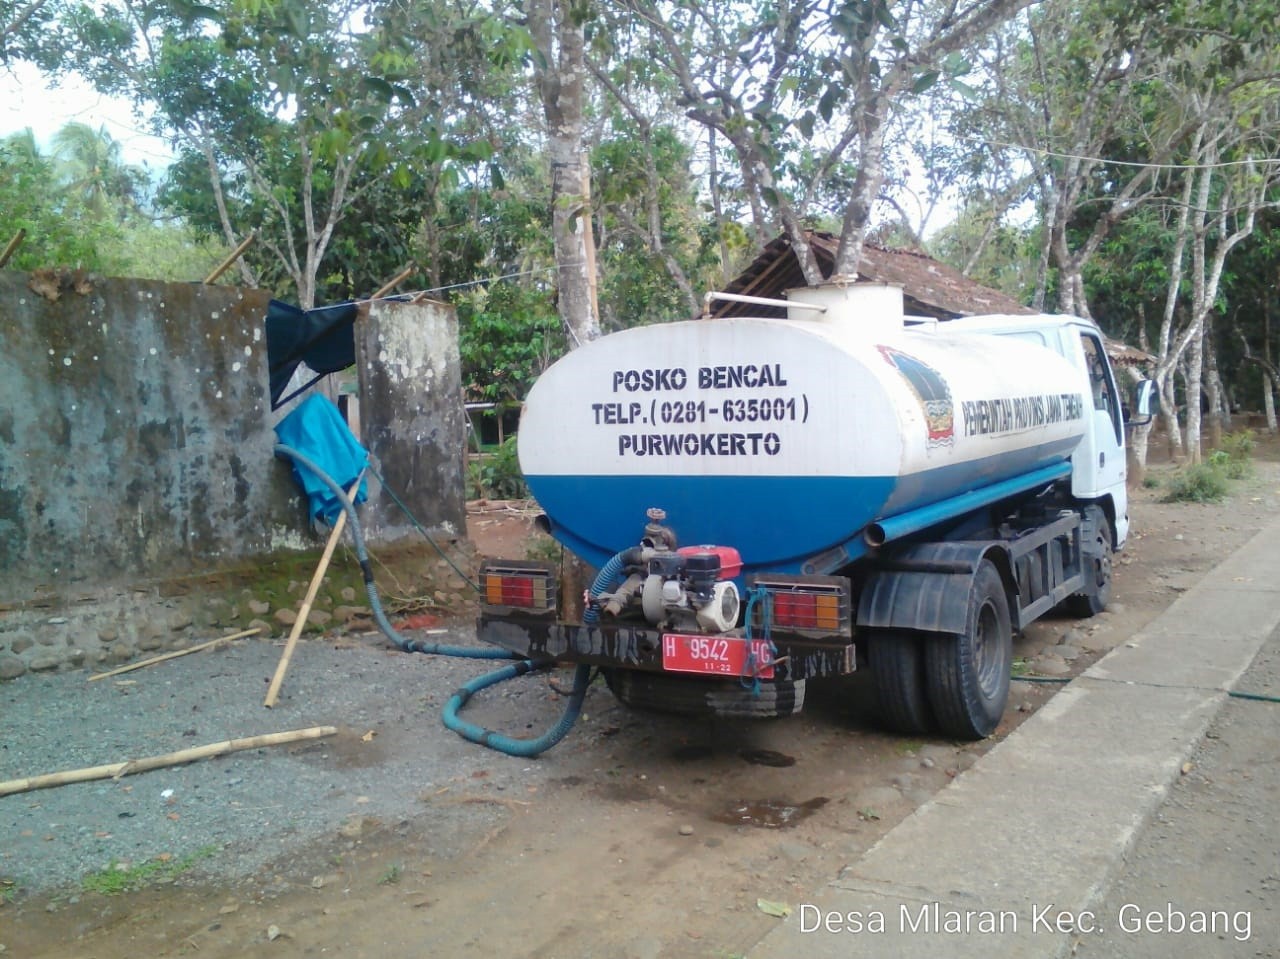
(758, 594)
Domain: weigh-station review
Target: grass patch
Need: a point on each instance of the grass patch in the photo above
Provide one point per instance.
(1235, 457)
(8, 890)
(1209, 482)
(118, 877)
(391, 876)
(1150, 482)
(1200, 483)
(908, 747)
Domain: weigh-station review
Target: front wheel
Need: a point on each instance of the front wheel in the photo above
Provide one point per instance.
(967, 674)
(1096, 560)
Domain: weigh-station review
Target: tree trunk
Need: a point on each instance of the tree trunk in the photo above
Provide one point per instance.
(713, 179)
(1169, 414)
(560, 71)
(1195, 368)
(1268, 383)
(1219, 410)
(1137, 453)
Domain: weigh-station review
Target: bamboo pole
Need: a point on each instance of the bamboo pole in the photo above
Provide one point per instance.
(12, 246)
(274, 689)
(394, 282)
(182, 652)
(231, 258)
(128, 768)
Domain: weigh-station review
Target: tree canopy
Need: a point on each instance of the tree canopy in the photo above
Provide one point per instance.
(561, 167)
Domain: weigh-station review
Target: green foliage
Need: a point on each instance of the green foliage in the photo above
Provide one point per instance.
(508, 334)
(1235, 458)
(58, 229)
(83, 207)
(1199, 483)
(496, 474)
(650, 221)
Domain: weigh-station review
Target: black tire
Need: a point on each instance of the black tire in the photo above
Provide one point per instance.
(967, 675)
(694, 696)
(897, 665)
(1094, 598)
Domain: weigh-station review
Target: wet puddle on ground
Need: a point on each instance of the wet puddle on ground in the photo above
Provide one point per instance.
(769, 813)
(767, 757)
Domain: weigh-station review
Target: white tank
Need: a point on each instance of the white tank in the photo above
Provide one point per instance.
(787, 438)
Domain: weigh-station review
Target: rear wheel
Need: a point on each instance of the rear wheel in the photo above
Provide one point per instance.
(967, 675)
(694, 696)
(897, 664)
(1096, 594)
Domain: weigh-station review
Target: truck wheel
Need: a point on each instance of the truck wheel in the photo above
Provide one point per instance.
(967, 675)
(897, 664)
(693, 696)
(1094, 597)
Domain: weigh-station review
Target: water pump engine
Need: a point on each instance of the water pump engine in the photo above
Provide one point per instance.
(687, 588)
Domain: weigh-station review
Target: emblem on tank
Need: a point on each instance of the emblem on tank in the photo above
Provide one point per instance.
(932, 392)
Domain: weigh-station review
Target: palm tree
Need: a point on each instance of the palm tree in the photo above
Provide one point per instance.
(22, 146)
(92, 168)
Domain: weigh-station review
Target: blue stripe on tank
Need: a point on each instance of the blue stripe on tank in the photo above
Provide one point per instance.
(768, 519)
(775, 522)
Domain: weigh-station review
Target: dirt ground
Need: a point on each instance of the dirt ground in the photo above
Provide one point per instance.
(639, 836)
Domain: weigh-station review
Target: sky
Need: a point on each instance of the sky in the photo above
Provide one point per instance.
(27, 99)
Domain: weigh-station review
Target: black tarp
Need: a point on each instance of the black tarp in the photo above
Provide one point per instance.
(322, 337)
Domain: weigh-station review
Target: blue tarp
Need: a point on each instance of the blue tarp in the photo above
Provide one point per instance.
(317, 430)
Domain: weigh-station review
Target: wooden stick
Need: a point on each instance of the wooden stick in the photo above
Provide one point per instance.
(182, 652)
(393, 283)
(116, 770)
(234, 255)
(12, 246)
(274, 689)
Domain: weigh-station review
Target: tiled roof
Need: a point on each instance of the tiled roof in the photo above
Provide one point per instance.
(930, 288)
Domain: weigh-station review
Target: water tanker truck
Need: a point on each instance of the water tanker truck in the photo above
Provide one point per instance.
(759, 501)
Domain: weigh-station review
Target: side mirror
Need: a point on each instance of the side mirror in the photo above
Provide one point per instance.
(1146, 402)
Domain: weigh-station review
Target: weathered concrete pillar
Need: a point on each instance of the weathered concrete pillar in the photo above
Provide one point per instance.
(411, 416)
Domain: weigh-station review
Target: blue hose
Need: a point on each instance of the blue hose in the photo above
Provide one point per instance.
(605, 579)
(505, 744)
(525, 748)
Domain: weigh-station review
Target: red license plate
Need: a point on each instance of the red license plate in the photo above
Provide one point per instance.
(720, 655)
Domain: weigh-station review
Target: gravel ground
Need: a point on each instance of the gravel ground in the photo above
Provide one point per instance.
(239, 812)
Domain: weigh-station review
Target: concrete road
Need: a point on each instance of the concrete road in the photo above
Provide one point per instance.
(1086, 831)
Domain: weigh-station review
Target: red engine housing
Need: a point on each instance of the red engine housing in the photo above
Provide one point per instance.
(730, 558)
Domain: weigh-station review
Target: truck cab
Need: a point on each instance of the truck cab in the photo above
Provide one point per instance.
(1099, 464)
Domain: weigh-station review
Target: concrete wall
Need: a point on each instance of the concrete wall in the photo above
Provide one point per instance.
(135, 433)
(136, 442)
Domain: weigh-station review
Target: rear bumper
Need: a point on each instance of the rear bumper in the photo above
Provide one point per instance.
(631, 647)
